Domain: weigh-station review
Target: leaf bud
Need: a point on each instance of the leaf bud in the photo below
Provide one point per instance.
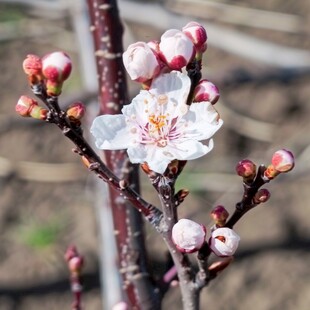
(76, 111)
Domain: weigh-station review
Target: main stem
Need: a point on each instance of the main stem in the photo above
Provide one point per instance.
(107, 33)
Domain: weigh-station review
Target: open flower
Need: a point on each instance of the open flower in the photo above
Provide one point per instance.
(224, 241)
(158, 126)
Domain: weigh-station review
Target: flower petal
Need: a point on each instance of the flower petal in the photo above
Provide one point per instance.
(110, 132)
(155, 158)
(203, 121)
(176, 86)
(189, 149)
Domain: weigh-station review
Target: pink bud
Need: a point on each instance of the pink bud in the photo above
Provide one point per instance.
(206, 91)
(56, 66)
(140, 62)
(32, 65)
(219, 214)
(38, 112)
(197, 33)
(25, 105)
(283, 160)
(76, 110)
(246, 169)
(176, 49)
(188, 236)
(76, 263)
(261, 196)
(224, 241)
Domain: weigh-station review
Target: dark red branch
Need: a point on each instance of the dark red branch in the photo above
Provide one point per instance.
(107, 33)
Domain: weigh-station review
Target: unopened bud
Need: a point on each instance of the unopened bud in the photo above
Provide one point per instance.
(206, 91)
(181, 195)
(261, 196)
(219, 215)
(176, 49)
(56, 66)
(197, 33)
(246, 169)
(76, 110)
(32, 66)
(76, 263)
(283, 160)
(188, 236)
(271, 172)
(224, 241)
(25, 105)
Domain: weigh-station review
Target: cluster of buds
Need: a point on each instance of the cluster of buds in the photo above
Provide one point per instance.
(189, 237)
(175, 51)
(52, 70)
(282, 161)
(28, 107)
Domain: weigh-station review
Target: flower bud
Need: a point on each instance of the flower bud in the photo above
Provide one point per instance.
(219, 215)
(76, 111)
(246, 169)
(141, 62)
(76, 263)
(283, 160)
(224, 241)
(197, 33)
(188, 236)
(206, 91)
(56, 67)
(271, 172)
(176, 49)
(261, 196)
(25, 105)
(38, 112)
(32, 66)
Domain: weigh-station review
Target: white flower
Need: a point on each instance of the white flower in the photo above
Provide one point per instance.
(224, 241)
(158, 126)
(188, 236)
(140, 62)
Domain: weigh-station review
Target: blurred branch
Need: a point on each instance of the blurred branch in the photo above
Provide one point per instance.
(236, 14)
(231, 41)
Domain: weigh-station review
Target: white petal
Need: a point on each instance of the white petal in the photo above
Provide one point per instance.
(176, 86)
(189, 149)
(110, 132)
(155, 158)
(202, 120)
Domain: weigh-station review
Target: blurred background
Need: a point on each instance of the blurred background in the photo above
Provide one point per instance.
(258, 55)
